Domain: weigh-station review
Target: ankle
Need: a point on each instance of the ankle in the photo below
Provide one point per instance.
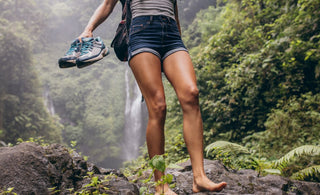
(199, 176)
(162, 188)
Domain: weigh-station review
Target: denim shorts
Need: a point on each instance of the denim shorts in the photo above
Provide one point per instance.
(158, 35)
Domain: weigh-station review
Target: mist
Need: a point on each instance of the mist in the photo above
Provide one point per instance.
(85, 107)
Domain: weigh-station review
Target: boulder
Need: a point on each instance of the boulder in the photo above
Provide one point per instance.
(241, 182)
(32, 169)
(25, 168)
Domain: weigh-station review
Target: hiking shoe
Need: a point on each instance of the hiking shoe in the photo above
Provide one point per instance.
(69, 59)
(92, 50)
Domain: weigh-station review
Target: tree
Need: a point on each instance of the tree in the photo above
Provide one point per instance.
(22, 112)
(263, 53)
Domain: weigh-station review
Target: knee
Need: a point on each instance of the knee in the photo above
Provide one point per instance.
(190, 98)
(157, 107)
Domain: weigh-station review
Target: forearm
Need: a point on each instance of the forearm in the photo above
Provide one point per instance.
(99, 16)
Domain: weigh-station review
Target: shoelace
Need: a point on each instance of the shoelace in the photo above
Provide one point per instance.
(73, 48)
(86, 47)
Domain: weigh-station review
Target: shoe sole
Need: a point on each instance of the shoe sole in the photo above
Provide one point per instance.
(82, 64)
(67, 64)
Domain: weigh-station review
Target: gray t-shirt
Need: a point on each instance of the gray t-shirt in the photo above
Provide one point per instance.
(152, 8)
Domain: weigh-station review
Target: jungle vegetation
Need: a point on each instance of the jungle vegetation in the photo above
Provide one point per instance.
(257, 64)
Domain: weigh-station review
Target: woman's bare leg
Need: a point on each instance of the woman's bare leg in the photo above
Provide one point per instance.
(180, 72)
(146, 68)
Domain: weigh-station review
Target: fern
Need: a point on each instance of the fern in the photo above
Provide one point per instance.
(272, 171)
(226, 146)
(297, 152)
(307, 172)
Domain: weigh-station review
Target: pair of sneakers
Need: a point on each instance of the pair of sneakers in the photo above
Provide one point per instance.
(84, 53)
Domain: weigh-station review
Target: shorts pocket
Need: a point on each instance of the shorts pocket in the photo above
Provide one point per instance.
(139, 24)
(135, 28)
(173, 26)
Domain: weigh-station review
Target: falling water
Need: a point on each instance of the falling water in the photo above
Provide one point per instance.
(134, 120)
(48, 101)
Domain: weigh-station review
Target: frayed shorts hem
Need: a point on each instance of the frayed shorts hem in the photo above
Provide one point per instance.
(149, 50)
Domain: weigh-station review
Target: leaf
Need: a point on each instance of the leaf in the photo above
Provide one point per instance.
(142, 190)
(174, 166)
(308, 54)
(94, 180)
(168, 178)
(310, 171)
(297, 152)
(226, 146)
(157, 162)
(10, 189)
(272, 171)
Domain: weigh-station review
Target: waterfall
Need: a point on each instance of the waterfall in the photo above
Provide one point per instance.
(48, 101)
(135, 118)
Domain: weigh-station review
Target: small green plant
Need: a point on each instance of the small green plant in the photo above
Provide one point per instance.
(7, 191)
(96, 186)
(157, 163)
(73, 144)
(72, 149)
(38, 140)
(53, 191)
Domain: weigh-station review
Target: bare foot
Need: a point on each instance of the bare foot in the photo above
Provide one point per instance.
(205, 184)
(164, 190)
(168, 192)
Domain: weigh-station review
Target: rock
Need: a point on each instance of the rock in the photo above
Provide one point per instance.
(241, 182)
(33, 169)
(25, 168)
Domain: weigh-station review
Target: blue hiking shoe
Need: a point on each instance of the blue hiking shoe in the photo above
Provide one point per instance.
(92, 50)
(69, 59)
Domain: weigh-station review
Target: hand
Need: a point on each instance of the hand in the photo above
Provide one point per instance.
(85, 34)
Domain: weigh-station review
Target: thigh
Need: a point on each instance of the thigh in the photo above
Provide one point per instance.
(179, 70)
(146, 68)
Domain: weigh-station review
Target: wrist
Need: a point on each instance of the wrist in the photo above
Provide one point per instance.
(86, 33)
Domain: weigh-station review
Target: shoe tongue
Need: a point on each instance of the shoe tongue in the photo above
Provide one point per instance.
(87, 39)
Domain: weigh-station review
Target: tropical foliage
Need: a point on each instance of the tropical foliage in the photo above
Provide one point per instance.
(22, 111)
(260, 56)
(85, 107)
(300, 163)
(258, 70)
(294, 158)
(258, 66)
